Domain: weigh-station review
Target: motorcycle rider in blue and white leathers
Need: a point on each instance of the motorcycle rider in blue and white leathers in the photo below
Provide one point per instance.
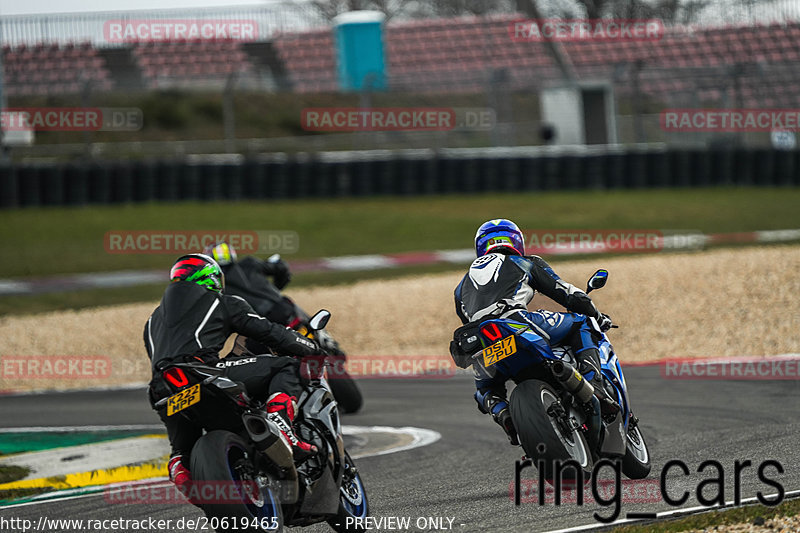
(500, 283)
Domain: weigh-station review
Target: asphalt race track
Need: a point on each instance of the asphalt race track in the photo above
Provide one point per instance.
(467, 474)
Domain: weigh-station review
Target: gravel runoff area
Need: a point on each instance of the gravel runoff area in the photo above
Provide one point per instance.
(725, 302)
(782, 524)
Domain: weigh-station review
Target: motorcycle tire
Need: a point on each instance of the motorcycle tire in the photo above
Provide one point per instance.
(545, 442)
(346, 392)
(636, 462)
(218, 457)
(353, 502)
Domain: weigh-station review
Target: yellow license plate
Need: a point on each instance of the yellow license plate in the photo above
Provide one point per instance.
(185, 398)
(500, 350)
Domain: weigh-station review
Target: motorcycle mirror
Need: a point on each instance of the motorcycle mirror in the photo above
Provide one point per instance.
(597, 281)
(319, 320)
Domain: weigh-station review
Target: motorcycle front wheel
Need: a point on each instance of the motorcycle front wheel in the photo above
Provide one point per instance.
(636, 463)
(352, 500)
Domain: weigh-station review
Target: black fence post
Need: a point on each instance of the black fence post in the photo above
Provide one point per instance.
(29, 186)
(76, 184)
(9, 191)
(144, 181)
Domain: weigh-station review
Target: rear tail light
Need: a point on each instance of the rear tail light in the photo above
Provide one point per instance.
(491, 332)
(176, 377)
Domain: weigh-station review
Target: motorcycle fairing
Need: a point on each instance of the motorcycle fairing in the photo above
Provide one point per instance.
(531, 348)
(318, 408)
(609, 365)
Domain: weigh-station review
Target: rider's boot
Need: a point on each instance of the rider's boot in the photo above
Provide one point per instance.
(497, 406)
(180, 475)
(281, 409)
(589, 367)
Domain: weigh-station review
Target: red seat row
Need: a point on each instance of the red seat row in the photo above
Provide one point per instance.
(417, 50)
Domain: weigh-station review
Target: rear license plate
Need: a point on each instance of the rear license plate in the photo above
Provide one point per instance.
(500, 350)
(185, 398)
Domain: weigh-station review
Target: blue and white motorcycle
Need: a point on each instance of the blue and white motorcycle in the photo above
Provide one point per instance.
(555, 413)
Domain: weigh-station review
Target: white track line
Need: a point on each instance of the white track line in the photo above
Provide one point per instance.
(54, 498)
(675, 512)
(421, 437)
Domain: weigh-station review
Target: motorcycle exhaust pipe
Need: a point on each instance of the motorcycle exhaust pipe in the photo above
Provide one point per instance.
(259, 430)
(267, 439)
(573, 381)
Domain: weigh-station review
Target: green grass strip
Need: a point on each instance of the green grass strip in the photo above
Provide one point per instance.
(51, 241)
(747, 514)
(33, 442)
(10, 473)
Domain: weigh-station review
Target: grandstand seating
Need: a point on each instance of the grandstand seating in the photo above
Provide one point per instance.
(309, 60)
(53, 69)
(189, 60)
(461, 54)
(456, 55)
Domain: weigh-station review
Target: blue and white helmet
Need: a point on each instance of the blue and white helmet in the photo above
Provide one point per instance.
(499, 235)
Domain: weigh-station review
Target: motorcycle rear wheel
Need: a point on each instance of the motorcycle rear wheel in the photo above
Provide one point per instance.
(544, 440)
(220, 457)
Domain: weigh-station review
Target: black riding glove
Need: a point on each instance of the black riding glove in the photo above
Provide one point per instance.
(279, 270)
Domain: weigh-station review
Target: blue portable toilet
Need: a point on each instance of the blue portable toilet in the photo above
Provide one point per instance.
(359, 50)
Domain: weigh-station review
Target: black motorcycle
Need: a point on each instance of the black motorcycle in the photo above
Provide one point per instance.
(344, 388)
(253, 482)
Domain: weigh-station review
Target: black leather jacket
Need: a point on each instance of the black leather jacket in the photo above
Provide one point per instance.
(192, 320)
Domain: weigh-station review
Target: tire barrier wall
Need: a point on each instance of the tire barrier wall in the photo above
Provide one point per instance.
(59, 184)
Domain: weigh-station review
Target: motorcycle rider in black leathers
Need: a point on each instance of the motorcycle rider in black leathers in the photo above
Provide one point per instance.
(192, 323)
(500, 284)
(248, 277)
